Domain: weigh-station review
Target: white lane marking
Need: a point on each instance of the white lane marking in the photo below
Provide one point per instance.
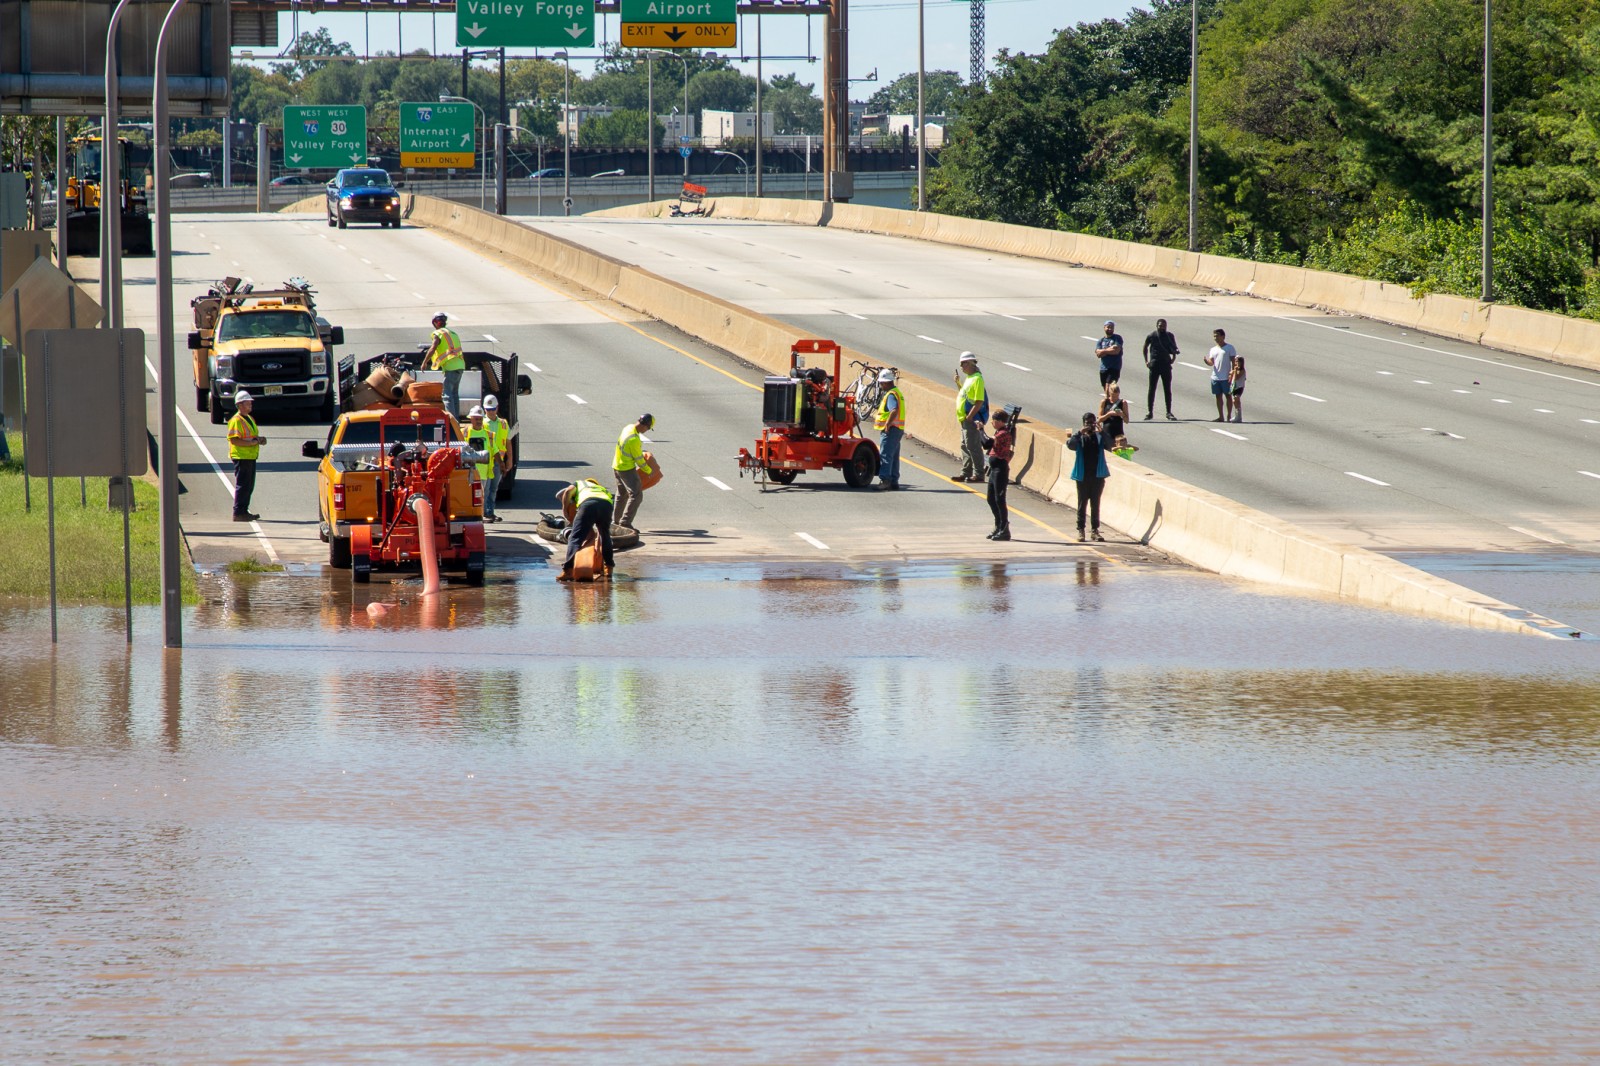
(813, 541)
(235, 262)
(418, 295)
(1303, 396)
(1014, 318)
(1543, 411)
(1225, 433)
(324, 236)
(841, 270)
(1438, 351)
(1364, 477)
(216, 467)
(1419, 381)
(1502, 401)
(537, 543)
(718, 484)
(1591, 421)
(1535, 536)
(367, 261)
(491, 338)
(1019, 367)
(1445, 432)
(1088, 338)
(852, 314)
(930, 340)
(531, 367)
(1464, 392)
(576, 399)
(1387, 373)
(218, 247)
(391, 277)
(1589, 473)
(646, 439)
(1191, 366)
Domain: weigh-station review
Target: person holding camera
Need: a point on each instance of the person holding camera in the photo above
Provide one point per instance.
(1090, 471)
(1000, 447)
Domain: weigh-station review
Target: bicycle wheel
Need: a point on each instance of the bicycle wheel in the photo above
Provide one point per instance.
(868, 392)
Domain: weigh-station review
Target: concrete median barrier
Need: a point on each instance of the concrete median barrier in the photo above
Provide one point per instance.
(1199, 527)
(1464, 320)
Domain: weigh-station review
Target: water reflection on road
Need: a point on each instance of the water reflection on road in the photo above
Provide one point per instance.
(1084, 813)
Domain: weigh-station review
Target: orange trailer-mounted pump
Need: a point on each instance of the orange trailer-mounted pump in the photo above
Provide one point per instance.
(809, 424)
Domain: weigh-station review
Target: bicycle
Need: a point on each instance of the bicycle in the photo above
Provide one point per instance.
(866, 389)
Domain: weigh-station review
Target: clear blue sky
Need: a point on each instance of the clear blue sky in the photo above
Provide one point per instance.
(883, 33)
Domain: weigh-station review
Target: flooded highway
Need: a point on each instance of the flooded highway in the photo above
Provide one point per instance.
(1084, 812)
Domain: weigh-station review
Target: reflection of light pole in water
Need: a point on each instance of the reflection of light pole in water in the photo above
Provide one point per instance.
(483, 127)
(742, 163)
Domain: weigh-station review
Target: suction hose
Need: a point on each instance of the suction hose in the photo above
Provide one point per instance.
(422, 507)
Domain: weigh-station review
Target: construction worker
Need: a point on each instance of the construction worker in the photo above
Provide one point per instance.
(500, 437)
(972, 411)
(593, 508)
(890, 422)
(629, 464)
(481, 439)
(244, 444)
(444, 353)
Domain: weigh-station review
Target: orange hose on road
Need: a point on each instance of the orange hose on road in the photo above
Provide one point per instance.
(422, 507)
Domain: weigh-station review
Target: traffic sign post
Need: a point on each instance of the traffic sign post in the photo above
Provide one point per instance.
(679, 24)
(325, 137)
(436, 134)
(525, 23)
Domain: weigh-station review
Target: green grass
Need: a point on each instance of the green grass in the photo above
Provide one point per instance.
(88, 541)
(253, 565)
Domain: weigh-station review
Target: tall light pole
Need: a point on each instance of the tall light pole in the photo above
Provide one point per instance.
(111, 184)
(649, 124)
(566, 132)
(483, 169)
(538, 183)
(742, 163)
(1194, 125)
(1488, 156)
(922, 105)
(685, 130)
(760, 128)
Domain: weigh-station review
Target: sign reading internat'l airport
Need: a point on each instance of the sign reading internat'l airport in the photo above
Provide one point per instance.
(678, 23)
(525, 23)
(434, 134)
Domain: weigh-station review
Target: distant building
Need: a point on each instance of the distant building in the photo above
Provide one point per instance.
(577, 114)
(723, 126)
(677, 127)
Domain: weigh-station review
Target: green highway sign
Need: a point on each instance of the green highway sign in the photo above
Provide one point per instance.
(678, 10)
(434, 134)
(678, 24)
(325, 137)
(525, 23)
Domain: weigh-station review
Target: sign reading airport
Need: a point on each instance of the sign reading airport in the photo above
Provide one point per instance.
(437, 135)
(326, 137)
(525, 23)
(678, 24)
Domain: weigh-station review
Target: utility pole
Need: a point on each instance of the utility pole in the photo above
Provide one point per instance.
(836, 183)
(978, 56)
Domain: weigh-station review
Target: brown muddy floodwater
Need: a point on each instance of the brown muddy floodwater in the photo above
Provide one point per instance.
(1088, 814)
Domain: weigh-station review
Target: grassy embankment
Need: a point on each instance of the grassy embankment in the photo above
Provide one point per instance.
(88, 541)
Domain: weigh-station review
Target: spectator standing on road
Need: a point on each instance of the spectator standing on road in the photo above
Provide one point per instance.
(972, 411)
(1090, 471)
(1000, 448)
(244, 445)
(1160, 352)
(629, 464)
(890, 422)
(1113, 414)
(1236, 388)
(500, 438)
(593, 509)
(444, 353)
(1109, 349)
(1220, 360)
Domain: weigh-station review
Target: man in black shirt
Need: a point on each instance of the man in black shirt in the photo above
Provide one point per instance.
(1160, 350)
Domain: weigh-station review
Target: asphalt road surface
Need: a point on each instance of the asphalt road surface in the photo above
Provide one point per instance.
(595, 367)
(1377, 436)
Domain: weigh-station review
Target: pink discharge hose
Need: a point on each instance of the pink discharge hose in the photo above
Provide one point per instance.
(422, 507)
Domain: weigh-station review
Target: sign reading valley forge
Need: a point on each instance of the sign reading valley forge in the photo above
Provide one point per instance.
(525, 23)
(324, 137)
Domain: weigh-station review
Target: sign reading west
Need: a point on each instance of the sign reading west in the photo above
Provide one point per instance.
(524, 23)
(324, 137)
(678, 23)
(436, 134)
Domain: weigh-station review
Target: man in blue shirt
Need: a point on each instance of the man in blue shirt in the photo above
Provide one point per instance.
(1109, 349)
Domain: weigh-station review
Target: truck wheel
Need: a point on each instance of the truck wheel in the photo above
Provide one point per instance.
(863, 465)
(360, 568)
(782, 477)
(218, 415)
(331, 222)
(475, 569)
(342, 224)
(339, 553)
(327, 411)
(202, 399)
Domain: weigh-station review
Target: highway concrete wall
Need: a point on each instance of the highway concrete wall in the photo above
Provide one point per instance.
(1199, 527)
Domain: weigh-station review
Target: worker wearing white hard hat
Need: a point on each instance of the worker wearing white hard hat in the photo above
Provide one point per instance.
(972, 411)
(480, 440)
(500, 448)
(890, 422)
(244, 446)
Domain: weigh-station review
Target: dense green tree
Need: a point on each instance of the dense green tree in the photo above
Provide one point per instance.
(941, 91)
(308, 51)
(620, 129)
(721, 90)
(795, 107)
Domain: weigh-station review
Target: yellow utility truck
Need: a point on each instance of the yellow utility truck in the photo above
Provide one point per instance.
(269, 342)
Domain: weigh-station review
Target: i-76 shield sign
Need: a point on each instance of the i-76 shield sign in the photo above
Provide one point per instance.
(324, 137)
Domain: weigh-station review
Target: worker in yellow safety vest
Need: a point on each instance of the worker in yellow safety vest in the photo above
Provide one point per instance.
(890, 423)
(444, 353)
(500, 442)
(244, 445)
(629, 464)
(593, 508)
(972, 411)
(481, 439)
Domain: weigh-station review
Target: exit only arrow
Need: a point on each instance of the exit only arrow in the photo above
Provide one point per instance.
(576, 30)
(466, 139)
(674, 34)
(475, 29)
(295, 158)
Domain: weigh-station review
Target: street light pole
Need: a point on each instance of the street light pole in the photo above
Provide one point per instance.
(537, 182)
(760, 129)
(684, 131)
(742, 163)
(566, 132)
(1194, 125)
(1488, 157)
(650, 122)
(111, 184)
(483, 131)
(922, 104)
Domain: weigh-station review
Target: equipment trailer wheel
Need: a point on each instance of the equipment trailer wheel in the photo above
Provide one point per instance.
(782, 477)
(339, 553)
(862, 467)
(475, 569)
(361, 568)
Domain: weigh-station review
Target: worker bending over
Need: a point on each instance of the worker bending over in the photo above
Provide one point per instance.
(444, 353)
(593, 508)
(629, 464)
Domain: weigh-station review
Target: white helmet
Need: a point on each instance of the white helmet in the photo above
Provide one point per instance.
(243, 397)
(490, 402)
(886, 376)
(476, 412)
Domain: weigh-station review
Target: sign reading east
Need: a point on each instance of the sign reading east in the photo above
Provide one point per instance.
(525, 23)
(324, 137)
(436, 134)
(678, 23)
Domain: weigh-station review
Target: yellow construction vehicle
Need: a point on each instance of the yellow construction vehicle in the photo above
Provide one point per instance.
(84, 199)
